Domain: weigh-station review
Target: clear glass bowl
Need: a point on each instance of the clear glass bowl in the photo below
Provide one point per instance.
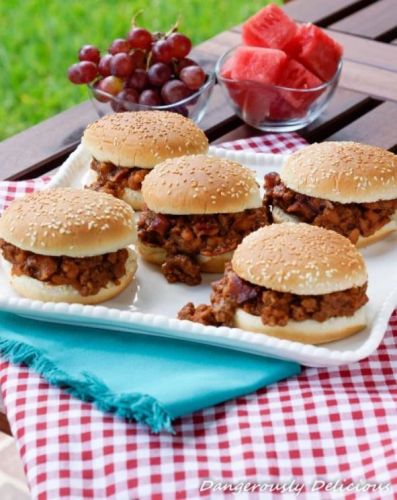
(193, 107)
(272, 108)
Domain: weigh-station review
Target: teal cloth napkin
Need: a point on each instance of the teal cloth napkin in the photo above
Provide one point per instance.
(144, 378)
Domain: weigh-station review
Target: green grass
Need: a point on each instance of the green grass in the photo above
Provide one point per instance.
(40, 39)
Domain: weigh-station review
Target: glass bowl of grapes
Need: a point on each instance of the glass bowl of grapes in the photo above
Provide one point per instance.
(145, 71)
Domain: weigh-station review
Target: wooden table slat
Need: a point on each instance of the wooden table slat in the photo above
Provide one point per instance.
(344, 107)
(378, 83)
(31, 151)
(365, 51)
(378, 20)
(378, 127)
(323, 12)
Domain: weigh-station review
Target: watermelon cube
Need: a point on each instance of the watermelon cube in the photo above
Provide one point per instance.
(281, 109)
(258, 64)
(269, 28)
(318, 52)
(296, 76)
(227, 68)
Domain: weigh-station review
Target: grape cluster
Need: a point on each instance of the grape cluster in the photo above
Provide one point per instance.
(144, 68)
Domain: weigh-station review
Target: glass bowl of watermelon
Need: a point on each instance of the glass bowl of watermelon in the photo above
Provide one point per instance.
(283, 75)
(272, 92)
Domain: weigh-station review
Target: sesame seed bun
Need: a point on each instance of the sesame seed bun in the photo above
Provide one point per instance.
(346, 172)
(200, 184)
(157, 256)
(143, 138)
(34, 289)
(300, 259)
(280, 216)
(308, 331)
(70, 222)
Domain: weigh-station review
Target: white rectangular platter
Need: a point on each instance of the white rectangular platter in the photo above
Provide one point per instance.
(150, 305)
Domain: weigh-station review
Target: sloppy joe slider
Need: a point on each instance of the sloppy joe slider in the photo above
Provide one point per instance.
(126, 146)
(199, 208)
(292, 281)
(68, 245)
(348, 187)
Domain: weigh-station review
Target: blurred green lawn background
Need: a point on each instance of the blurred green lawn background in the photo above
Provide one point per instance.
(40, 39)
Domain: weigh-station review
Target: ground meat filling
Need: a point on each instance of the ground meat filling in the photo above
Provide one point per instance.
(181, 268)
(274, 308)
(87, 275)
(349, 219)
(186, 236)
(114, 180)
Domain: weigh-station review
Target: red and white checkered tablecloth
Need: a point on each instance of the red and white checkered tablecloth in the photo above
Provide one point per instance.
(327, 433)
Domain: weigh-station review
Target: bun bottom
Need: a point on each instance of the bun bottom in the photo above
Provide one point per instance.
(157, 255)
(131, 197)
(31, 288)
(308, 331)
(280, 216)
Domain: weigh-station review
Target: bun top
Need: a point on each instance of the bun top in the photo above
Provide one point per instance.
(346, 172)
(143, 138)
(300, 259)
(70, 222)
(200, 184)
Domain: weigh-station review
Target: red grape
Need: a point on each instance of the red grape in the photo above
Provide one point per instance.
(184, 63)
(109, 85)
(104, 65)
(159, 73)
(174, 91)
(150, 98)
(139, 59)
(138, 80)
(162, 51)
(89, 53)
(193, 77)
(99, 96)
(121, 65)
(119, 45)
(82, 72)
(140, 38)
(124, 99)
(180, 45)
(130, 95)
(116, 106)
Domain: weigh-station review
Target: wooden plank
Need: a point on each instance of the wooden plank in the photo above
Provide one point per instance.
(365, 51)
(323, 12)
(376, 127)
(46, 142)
(244, 131)
(344, 107)
(378, 20)
(378, 83)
